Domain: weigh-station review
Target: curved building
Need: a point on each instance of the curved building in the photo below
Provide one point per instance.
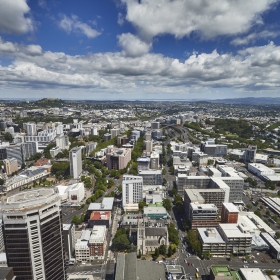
(32, 229)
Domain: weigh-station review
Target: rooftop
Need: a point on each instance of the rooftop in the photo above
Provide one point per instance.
(210, 235)
(230, 207)
(224, 271)
(252, 274)
(100, 215)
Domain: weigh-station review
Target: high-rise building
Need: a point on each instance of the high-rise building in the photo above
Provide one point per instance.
(29, 149)
(155, 125)
(75, 158)
(132, 191)
(31, 129)
(117, 158)
(32, 228)
(250, 154)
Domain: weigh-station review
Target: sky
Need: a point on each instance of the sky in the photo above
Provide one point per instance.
(139, 49)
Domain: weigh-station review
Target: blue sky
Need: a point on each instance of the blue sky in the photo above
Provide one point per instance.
(139, 49)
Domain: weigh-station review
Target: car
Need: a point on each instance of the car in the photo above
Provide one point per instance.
(245, 261)
(245, 266)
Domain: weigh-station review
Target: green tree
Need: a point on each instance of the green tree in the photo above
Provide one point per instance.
(2, 181)
(258, 213)
(8, 137)
(139, 254)
(120, 243)
(167, 204)
(141, 205)
(76, 220)
(162, 249)
(249, 206)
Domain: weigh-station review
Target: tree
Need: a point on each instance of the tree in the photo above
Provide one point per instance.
(162, 249)
(167, 204)
(164, 171)
(267, 212)
(120, 242)
(258, 213)
(8, 137)
(249, 206)
(156, 254)
(1, 182)
(141, 205)
(76, 220)
(164, 182)
(139, 254)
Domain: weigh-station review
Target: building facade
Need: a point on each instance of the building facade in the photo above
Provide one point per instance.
(32, 227)
(75, 158)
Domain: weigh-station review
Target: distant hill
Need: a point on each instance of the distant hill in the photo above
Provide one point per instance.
(249, 100)
(50, 102)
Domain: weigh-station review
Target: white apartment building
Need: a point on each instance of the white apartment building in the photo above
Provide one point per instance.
(132, 192)
(75, 158)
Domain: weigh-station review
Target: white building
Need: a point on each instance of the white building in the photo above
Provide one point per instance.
(30, 128)
(75, 158)
(132, 192)
(62, 142)
(73, 193)
(82, 248)
(260, 169)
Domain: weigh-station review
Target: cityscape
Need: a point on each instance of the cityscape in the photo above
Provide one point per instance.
(139, 140)
(139, 190)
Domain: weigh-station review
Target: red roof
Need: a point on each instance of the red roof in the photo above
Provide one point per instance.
(100, 215)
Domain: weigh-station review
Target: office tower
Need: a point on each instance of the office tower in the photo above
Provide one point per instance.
(29, 149)
(132, 191)
(31, 129)
(149, 146)
(75, 158)
(117, 158)
(155, 125)
(250, 154)
(32, 228)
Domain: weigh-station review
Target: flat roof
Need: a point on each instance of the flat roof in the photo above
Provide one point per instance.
(106, 204)
(198, 206)
(100, 215)
(232, 230)
(30, 195)
(203, 232)
(154, 210)
(98, 234)
(223, 271)
(194, 195)
(252, 274)
(230, 207)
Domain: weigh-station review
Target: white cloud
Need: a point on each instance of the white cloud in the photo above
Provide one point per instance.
(208, 19)
(42, 4)
(120, 19)
(132, 45)
(253, 37)
(14, 17)
(253, 69)
(73, 24)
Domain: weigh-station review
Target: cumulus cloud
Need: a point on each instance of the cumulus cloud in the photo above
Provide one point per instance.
(252, 69)
(132, 45)
(14, 17)
(208, 19)
(73, 24)
(253, 37)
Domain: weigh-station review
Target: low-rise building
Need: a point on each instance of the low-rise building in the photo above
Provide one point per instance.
(97, 242)
(251, 273)
(100, 218)
(223, 272)
(150, 238)
(274, 246)
(155, 213)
